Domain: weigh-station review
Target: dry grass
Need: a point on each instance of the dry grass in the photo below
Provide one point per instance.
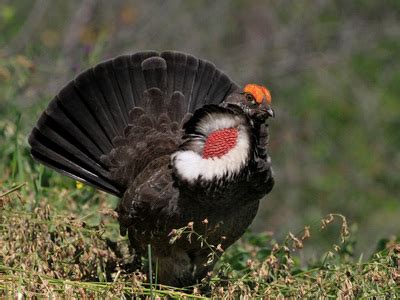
(46, 253)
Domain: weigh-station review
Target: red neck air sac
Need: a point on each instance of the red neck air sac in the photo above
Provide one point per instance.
(220, 142)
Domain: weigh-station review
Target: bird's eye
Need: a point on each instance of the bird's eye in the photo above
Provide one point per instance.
(249, 97)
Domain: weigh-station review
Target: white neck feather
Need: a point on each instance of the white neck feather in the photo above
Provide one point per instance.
(190, 165)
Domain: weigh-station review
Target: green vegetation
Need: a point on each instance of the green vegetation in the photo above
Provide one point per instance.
(46, 252)
(334, 72)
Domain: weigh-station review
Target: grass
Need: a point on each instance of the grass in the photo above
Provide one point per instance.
(48, 253)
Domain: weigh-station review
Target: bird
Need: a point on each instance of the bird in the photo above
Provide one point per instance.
(178, 142)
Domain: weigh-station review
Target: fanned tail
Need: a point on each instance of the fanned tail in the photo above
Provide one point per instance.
(92, 114)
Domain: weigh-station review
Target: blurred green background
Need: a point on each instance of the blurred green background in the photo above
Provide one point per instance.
(333, 68)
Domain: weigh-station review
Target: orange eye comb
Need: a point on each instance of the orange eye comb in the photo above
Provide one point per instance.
(258, 92)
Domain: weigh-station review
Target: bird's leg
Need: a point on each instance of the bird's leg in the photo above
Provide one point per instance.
(137, 260)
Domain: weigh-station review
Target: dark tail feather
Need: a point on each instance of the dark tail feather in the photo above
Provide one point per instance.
(138, 83)
(50, 154)
(175, 70)
(155, 102)
(88, 117)
(104, 75)
(203, 82)
(155, 73)
(177, 106)
(120, 66)
(89, 92)
(220, 88)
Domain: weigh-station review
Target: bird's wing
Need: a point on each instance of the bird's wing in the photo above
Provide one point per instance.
(149, 200)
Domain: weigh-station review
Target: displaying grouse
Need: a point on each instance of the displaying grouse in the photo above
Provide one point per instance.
(176, 139)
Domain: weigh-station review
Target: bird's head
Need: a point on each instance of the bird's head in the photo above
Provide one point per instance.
(254, 100)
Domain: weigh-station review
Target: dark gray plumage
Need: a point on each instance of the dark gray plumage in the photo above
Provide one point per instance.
(131, 126)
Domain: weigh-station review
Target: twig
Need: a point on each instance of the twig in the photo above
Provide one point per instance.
(13, 190)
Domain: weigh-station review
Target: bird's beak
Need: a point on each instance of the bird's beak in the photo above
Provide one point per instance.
(266, 108)
(270, 112)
